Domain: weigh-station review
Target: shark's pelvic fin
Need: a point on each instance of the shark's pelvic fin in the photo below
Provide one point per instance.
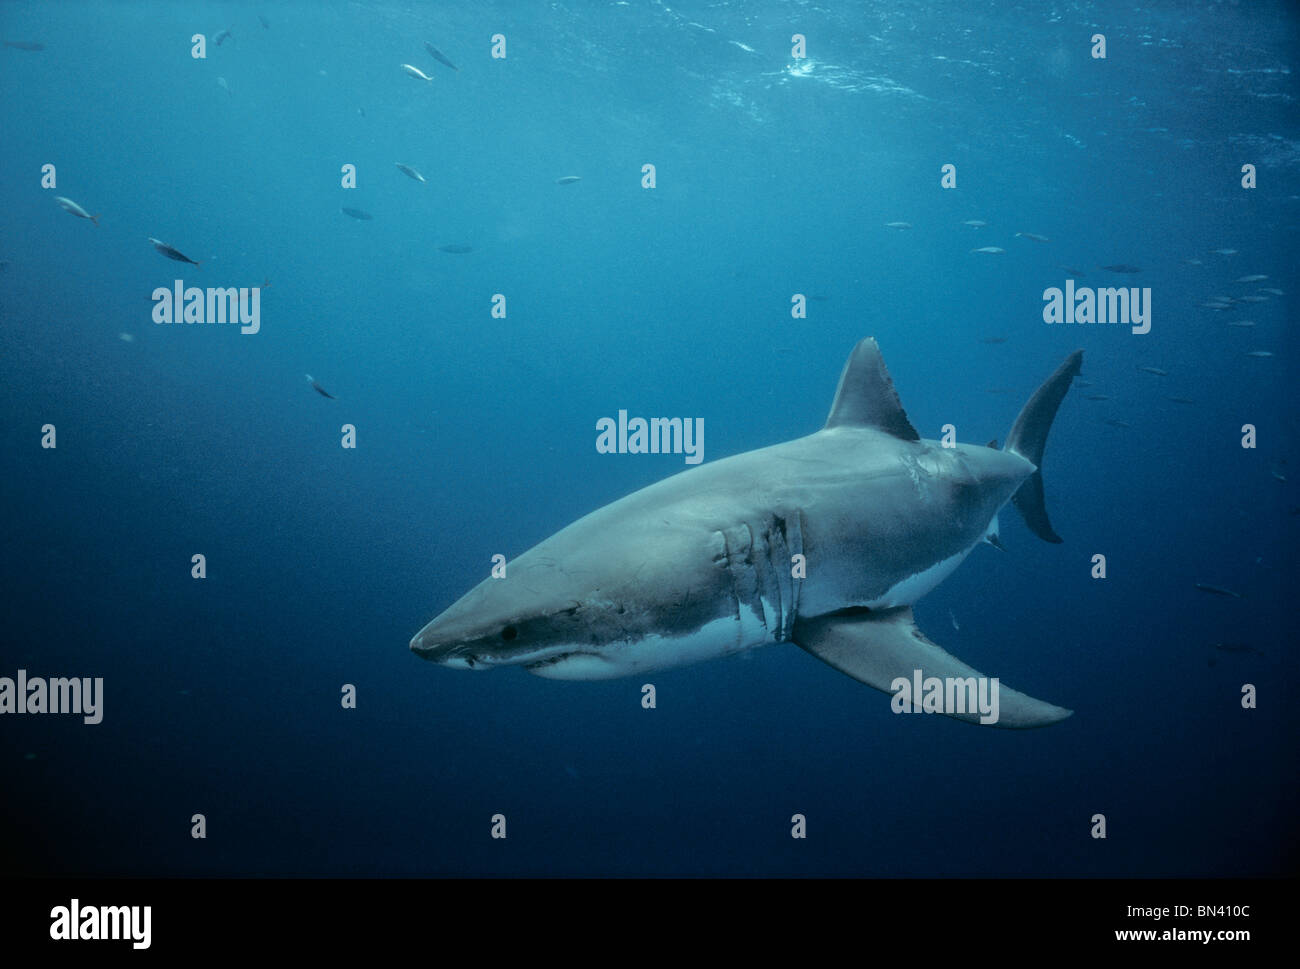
(876, 647)
(1028, 438)
(866, 395)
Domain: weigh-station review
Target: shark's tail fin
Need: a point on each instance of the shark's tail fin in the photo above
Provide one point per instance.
(1028, 438)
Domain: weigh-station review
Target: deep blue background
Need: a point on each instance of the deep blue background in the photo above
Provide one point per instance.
(477, 435)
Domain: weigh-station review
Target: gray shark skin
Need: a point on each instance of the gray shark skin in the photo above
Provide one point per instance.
(703, 564)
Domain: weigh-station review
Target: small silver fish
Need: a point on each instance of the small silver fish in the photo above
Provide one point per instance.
(975, 223)
(898, 225)
(1259, 353)
(70, 206)
(1032, 235)
(990, 250)
(318, 388)
(409, 171)
(1252, 299)
(1242, 323)
(171, 253)
(1271, 291)
(1155, 370)
(1254, 278)
(416, 72)
(1215, 590)
(1223, 252)
(1238, 648)
(438, 56)
(568, 179)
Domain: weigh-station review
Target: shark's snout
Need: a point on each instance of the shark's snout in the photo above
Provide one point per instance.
(455, 655)
(419, 647)
(432, 644)
(447, 642)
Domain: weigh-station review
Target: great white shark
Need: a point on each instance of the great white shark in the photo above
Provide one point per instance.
(826, 541)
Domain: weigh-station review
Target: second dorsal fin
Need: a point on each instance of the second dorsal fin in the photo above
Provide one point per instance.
(866, 395)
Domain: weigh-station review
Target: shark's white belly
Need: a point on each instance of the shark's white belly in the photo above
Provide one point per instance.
(721, 637)
(911, 590)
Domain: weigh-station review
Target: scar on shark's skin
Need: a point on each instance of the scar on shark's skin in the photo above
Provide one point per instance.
(698, 565)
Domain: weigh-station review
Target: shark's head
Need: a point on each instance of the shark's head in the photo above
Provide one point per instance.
(573, 608)
(492, 625)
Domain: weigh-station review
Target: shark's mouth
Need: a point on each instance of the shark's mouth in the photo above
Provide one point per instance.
(541, 664)
(471, 657)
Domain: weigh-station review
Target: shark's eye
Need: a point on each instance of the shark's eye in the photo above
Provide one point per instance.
(509, 633)
(469, 661)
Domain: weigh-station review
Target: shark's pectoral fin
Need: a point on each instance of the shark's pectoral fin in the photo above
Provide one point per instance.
(879, 646)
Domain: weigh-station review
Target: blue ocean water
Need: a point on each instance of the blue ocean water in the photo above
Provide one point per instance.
(775, 175)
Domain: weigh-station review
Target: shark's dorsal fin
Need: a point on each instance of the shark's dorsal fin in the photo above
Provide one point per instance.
(866, 395)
